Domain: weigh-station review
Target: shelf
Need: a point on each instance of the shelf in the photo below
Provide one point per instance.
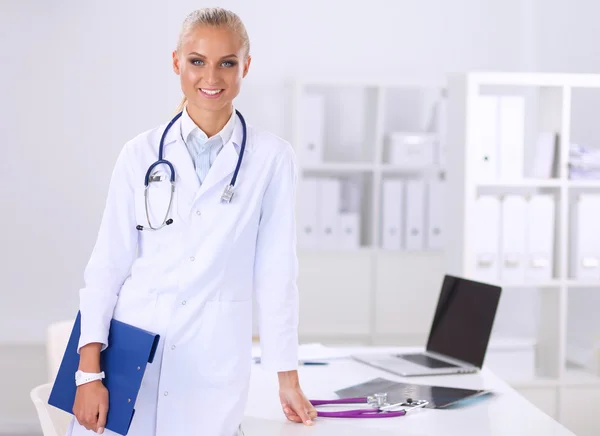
(338, 251)
(418, 83)
(405, 169)
(543, 284)
(536, 79)
(525, 183)
(541, 183)
(581, 284)
(594, 184)
(579, 377)
(339, 167)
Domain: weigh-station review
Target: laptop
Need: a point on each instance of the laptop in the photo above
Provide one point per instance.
(459, 334)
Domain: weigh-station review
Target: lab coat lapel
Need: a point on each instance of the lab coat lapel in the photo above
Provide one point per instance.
(224, 164)
(186, 179)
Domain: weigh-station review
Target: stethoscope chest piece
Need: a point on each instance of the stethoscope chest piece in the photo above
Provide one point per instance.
(227, 194)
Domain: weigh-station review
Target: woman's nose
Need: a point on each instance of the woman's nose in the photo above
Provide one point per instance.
(212, 76)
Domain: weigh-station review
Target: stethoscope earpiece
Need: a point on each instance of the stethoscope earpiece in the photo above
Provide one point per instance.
(168, 222)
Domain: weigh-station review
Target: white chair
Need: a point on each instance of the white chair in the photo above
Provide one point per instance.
(54, 421)
(57, 337)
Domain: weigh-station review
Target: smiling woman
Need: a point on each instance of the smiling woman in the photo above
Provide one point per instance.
(192, 279)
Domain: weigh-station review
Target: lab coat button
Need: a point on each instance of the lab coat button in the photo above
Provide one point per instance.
(192, 258)
(198, 212)
(166, 393)
(183, 303)
(173, 347)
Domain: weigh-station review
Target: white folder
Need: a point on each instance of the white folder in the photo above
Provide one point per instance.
(586, 238)
(414, 235)
(512, 136)
(442, 131)
(329, 212)
(349, 238)
(486, 139)
(308, 213)
(513, 237)
(486, 236)
(313, 128)
(435, 214)
(392, 217)
(540, 238)
(544, 156)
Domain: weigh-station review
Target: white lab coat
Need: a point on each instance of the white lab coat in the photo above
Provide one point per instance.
(193, 281)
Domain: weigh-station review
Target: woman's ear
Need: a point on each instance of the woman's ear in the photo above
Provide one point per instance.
(176, 62)
(247, 65)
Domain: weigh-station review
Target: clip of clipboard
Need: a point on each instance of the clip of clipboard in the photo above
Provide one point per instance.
(130, 349)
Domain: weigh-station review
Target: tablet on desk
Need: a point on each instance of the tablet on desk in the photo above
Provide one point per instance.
(437, 396)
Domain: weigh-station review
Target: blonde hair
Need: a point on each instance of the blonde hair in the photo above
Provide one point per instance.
(215, 17)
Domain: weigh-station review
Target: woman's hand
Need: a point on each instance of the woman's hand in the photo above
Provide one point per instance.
(295, 405)
(91, 406)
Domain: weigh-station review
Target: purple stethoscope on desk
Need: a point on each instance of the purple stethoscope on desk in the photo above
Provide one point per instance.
(379, 407)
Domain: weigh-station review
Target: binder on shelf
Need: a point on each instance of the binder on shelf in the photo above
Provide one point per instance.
(544, 164)
(414, 235)
(487, 237)
(541, 212)
(486, 144)
(438, 125)
(308, 213)
(586, 238)
(130, 349)
(329, 197)
(313, 131)
(392, 216)
(511, 136)
(514, 236)
(349, 230)
(435, 215)
(349, 216)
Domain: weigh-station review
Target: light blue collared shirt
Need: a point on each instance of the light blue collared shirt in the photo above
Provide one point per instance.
(204, 150)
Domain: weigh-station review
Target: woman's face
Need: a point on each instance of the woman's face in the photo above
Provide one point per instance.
(211, 67)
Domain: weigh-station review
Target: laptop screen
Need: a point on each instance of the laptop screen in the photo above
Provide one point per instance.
(463, 319)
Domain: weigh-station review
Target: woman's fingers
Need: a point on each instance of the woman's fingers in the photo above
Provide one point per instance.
(301, 411)
(102, 412)
(290, 414)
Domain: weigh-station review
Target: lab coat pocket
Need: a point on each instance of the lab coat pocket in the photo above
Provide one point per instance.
(136, 306)
(226, 341)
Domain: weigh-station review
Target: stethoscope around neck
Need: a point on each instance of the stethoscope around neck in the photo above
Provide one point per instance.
(149, 178)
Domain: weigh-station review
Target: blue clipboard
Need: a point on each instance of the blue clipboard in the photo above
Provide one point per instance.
(130, 349)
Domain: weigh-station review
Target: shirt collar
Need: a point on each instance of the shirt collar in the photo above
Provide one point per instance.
(188, 127)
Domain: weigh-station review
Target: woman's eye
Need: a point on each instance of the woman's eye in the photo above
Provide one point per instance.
(227, 64)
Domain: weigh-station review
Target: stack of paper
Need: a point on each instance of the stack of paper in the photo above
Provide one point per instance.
(584, 162)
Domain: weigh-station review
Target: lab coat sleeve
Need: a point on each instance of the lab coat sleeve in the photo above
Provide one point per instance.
(276, 269)
(111, 257)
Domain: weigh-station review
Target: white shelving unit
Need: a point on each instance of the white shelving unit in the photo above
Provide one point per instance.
(360, 294)
(559, 379)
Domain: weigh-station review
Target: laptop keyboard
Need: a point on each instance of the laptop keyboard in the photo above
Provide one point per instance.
(429, 362)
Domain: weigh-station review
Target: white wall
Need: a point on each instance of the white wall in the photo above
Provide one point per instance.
(81, 78)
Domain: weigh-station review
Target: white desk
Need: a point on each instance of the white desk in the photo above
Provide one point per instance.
(501, 414)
